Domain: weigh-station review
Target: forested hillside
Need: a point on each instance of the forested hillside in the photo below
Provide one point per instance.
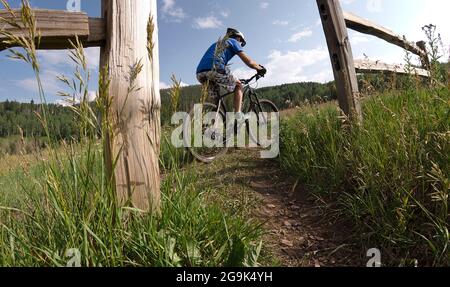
(14, 115)
(284, 96)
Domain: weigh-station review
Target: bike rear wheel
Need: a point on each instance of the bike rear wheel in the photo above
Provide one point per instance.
(205, 136)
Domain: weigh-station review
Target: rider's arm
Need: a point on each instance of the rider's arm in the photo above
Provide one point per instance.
(249, 62)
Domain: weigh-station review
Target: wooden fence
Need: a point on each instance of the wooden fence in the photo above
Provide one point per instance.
(127, 33)
(335, 23)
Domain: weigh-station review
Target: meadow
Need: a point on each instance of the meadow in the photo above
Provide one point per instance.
(50, 208)
(388, 177)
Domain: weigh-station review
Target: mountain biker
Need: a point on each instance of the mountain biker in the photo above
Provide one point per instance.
(214, 72)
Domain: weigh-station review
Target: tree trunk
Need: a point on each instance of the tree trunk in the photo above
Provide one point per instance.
(135, 139)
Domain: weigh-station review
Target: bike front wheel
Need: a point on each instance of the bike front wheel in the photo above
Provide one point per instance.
(204, 132)
(262, 132)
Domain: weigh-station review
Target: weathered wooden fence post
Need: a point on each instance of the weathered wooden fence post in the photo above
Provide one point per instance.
(341, 58)
(424, 56)
(136, 112)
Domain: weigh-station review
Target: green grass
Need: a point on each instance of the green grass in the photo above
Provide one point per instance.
(390, 175)
(14, 145)
(170, 157)
(71, 207)
(13, 182)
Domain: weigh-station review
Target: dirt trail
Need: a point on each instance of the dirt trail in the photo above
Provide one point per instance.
(297, 231)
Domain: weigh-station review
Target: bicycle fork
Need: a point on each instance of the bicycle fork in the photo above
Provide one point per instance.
(216, 117)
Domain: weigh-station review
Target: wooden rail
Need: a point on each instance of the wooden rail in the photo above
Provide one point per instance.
(366, 66)
(367, 27)
(57, 27)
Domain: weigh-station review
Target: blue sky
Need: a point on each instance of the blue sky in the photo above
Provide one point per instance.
(283, 35)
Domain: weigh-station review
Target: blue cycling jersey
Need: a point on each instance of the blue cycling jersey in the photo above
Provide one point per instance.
(220, 61)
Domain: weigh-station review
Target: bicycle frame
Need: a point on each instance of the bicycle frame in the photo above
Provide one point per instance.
(248, 92)
(215, 130)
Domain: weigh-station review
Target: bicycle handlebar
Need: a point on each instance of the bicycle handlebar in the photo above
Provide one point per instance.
(246, 82)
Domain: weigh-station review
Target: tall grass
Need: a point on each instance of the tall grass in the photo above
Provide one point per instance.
(71, 207)
(390, 175)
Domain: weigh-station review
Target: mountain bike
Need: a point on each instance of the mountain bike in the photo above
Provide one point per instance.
(213, 133)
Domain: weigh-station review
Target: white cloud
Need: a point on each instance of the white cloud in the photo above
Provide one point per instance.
(225, 14)
(63, 103)
(324, 76)
(48, 78)
(93, 57)
(55, 57)
(432, 11)
(372, 6)
(163, 85)
(291, 67)
(172, 12)
(61, 57)
(300, 35)
(347, 2)
(318, 22)
(50, 83)
(359, 39)
(53, 63)
(280, 23)
(91, 96)
(264, 5)
(210, 22)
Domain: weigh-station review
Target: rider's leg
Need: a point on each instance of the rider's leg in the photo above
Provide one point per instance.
(238, 96)
(240, 117)
(214, 92)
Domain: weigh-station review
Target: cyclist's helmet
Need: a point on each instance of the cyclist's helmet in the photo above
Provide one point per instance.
(232, 33)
